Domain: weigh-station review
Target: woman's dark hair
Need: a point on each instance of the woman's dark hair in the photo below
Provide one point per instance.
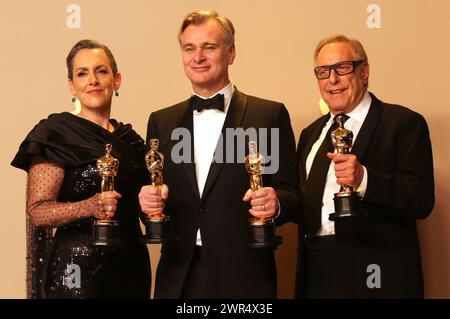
(89, 44)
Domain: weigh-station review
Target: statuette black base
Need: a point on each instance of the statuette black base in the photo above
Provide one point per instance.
(156, 230)
(106, 233)
(262, 235)
(346, 204)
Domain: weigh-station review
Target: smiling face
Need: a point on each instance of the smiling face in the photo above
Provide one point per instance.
(93, 81)
(206, 57)
(342, 93)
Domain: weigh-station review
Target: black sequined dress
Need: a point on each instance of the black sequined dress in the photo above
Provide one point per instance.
(71, 267)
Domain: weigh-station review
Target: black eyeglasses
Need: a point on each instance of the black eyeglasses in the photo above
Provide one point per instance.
(341, 68)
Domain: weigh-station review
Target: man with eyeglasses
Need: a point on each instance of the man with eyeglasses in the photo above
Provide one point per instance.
(375, 255)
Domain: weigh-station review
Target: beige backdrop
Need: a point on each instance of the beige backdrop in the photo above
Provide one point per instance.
(407, 42)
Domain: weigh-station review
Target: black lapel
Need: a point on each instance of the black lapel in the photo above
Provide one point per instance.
(367, 129)
(233, 119)
(185, 119)
(314, 136)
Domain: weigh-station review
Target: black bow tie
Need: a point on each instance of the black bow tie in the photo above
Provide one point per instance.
(216, 102)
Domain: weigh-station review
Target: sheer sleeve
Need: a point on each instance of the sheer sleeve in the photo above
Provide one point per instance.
(44, 183)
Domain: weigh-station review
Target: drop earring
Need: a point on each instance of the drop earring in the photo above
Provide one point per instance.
(116, 93)
(74, 99)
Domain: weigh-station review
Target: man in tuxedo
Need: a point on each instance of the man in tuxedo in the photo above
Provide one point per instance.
(207, 196)
(375, 254)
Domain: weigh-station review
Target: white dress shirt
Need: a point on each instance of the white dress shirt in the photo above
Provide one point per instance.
(354, 123)
(207, 128)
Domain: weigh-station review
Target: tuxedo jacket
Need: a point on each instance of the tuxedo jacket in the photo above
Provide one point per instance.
(234, 270)
(394, 146)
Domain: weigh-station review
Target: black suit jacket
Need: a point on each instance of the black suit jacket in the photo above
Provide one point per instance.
(235, 271)
(394, 146)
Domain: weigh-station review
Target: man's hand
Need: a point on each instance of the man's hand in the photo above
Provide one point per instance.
(152, 199)
(263, 202)
(347, 169)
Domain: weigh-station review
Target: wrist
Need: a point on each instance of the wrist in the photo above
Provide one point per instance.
(277, 209)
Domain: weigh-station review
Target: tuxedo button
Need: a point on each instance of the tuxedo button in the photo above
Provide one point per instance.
(203, 210)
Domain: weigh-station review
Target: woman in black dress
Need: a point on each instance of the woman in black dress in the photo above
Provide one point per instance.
(63, 189)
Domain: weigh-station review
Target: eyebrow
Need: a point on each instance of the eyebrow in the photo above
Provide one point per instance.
(86, 68)
(201, 44)
(331, 65)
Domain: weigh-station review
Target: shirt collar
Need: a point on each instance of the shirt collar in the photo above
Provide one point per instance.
(227, 92)
(360, 111)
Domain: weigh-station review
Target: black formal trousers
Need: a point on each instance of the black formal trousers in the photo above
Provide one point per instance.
(394, 146)
(234, 270)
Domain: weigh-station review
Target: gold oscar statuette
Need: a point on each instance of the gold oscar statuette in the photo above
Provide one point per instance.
(156, 225)
(106, 231)
(347, 202)
(261, 230)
